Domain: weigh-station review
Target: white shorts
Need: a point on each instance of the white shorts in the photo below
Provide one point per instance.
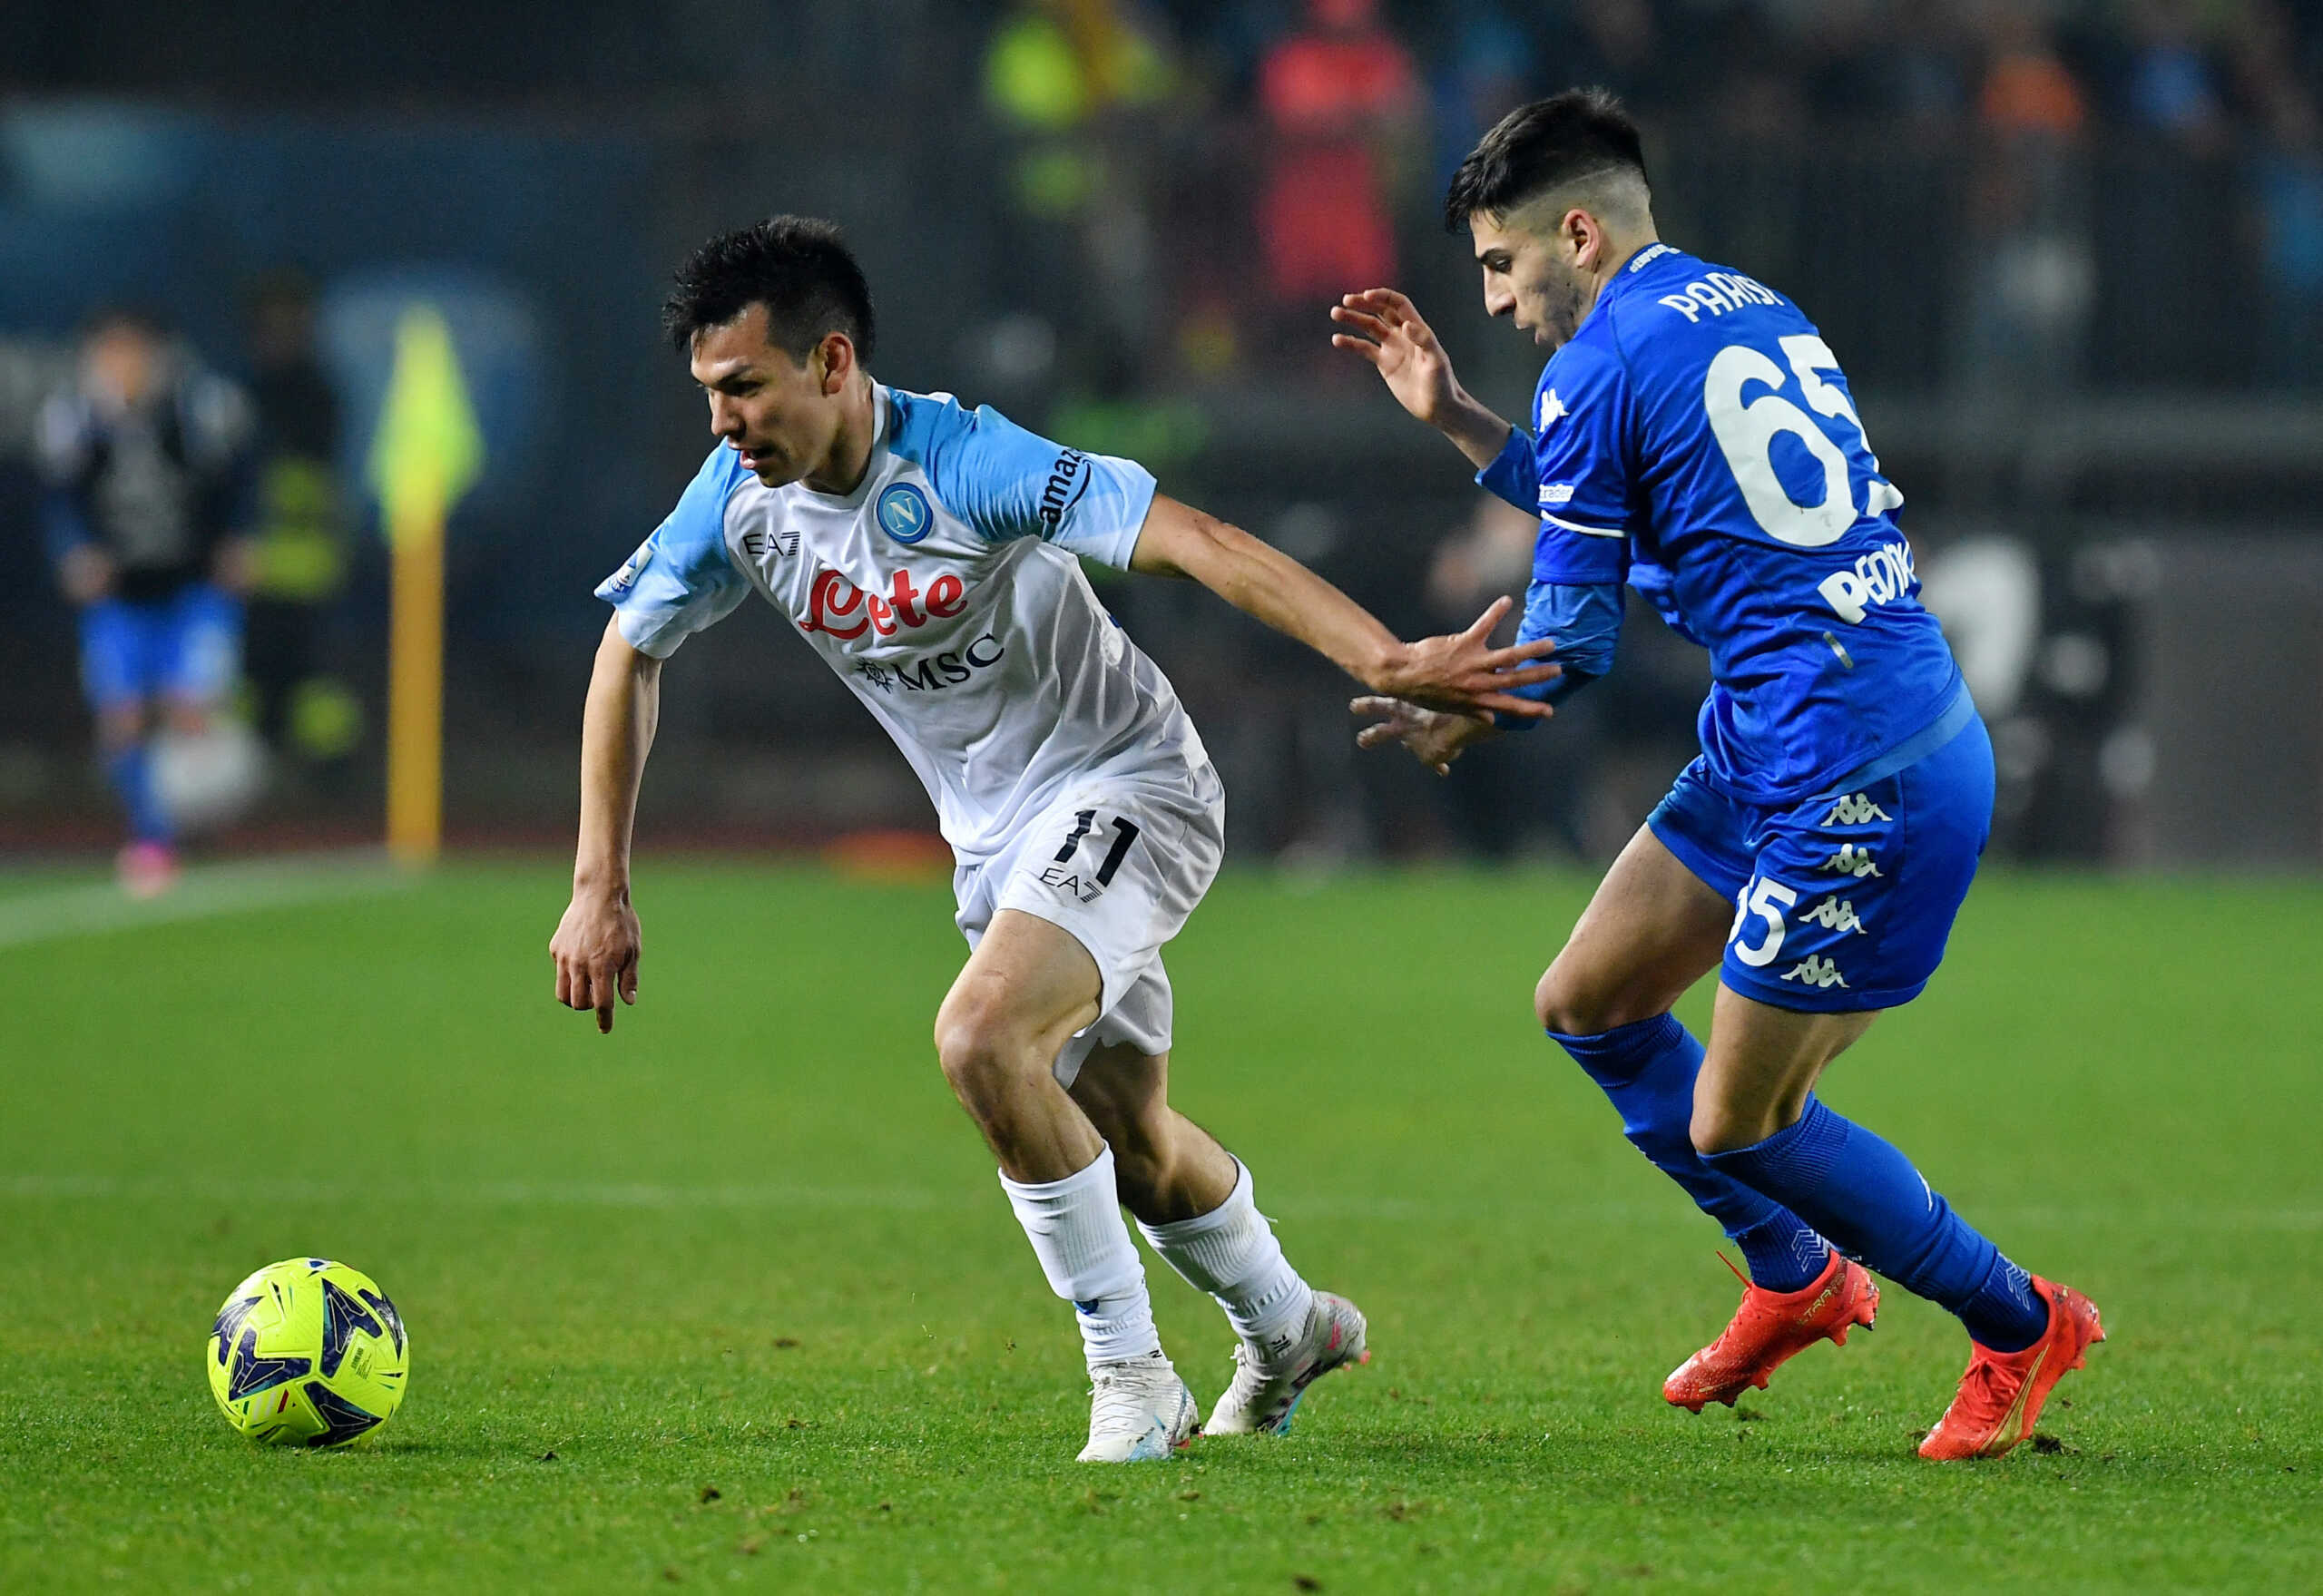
(1119, 862)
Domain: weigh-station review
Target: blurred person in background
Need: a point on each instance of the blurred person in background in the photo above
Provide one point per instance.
(2031, 279)
(1485, 71)
(2286, 179)
(297, 566)
(1081, 90)
(1341, 97)
(146, 462)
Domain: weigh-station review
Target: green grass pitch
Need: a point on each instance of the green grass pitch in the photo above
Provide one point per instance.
(731, 1299)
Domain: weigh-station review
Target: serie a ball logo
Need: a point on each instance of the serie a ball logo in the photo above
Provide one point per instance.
(306, 1353)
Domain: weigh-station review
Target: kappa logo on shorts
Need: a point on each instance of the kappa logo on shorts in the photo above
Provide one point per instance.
(1851, 860)
(1063, 872)
(1855, 810)
(1833, 914)
(1811, 971)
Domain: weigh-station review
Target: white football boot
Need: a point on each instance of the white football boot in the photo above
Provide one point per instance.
(1269, 1381)
(1139, 1411)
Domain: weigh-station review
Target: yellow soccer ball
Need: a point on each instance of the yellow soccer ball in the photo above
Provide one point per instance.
(306, 1353)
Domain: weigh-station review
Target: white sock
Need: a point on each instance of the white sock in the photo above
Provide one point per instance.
(1076, 1230)
(1231, 1253)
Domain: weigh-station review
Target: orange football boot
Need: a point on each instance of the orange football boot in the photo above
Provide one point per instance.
(1771, 1328)
(2002, 1393)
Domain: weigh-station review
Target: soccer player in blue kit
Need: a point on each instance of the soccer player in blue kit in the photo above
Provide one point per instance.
(1693, 437)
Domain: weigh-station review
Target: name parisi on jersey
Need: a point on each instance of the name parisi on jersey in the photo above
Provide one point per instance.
(945, 591)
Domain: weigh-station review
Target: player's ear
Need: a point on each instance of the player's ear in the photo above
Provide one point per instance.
(1580, 232)
(836, 356)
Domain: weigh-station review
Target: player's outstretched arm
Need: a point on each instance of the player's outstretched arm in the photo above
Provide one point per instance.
(1461, 672)
(597, 943)
(1385, 328)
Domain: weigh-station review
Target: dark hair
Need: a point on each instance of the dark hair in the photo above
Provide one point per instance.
(1580, 133)
(798, 267)
(126, 316)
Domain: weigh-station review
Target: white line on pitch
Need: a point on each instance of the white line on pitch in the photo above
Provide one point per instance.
(651, 1195)
(201, 894)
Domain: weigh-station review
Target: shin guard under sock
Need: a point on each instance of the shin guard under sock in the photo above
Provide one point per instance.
(1648, 1068)
(1864, 1194)
(1076, 1230)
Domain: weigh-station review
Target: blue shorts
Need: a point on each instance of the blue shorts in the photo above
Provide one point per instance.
(186, 647)
(1843, 902)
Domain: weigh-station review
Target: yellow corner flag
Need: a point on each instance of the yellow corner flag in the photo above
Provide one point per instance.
(426, 453)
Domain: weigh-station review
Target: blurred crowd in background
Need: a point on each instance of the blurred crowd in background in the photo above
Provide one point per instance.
(2070, 255)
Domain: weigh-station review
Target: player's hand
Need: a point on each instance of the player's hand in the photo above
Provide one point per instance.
(1464, 673)
(1385, 329)
(596, 949)
(1434, 739)
(86, 573)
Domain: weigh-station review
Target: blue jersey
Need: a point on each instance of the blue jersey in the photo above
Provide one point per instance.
(1697, 440)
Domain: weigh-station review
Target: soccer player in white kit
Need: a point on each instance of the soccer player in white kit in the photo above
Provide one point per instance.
(931, 554)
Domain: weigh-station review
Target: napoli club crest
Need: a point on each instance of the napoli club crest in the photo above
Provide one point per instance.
(905, 514)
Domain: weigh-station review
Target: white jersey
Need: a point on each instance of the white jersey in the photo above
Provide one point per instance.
(946, 592)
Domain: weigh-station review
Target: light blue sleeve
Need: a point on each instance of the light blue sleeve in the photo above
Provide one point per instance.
(682, 578)
(1008, 483)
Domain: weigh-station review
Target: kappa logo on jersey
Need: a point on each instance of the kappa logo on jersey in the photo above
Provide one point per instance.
(904, 512)
(1811, 971)
(1833, 914)
(933, 672)
(756, 544)
(1065, 871)
(1855, 810)
(1551, 407)
(838, 607)
(1851, 860)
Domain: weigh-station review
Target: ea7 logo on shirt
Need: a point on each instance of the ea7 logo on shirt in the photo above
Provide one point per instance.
(756, 544)
(1069, 872)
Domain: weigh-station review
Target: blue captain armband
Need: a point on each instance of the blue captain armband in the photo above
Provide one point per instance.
(1585, 618)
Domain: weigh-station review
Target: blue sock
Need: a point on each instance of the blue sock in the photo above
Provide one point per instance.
(1865, 1195)
(132, 775)
(1648, 1068)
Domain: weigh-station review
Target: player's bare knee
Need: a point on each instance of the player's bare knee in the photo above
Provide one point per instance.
(982, 1053)
(1718, 1127)
(1572, 1003)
